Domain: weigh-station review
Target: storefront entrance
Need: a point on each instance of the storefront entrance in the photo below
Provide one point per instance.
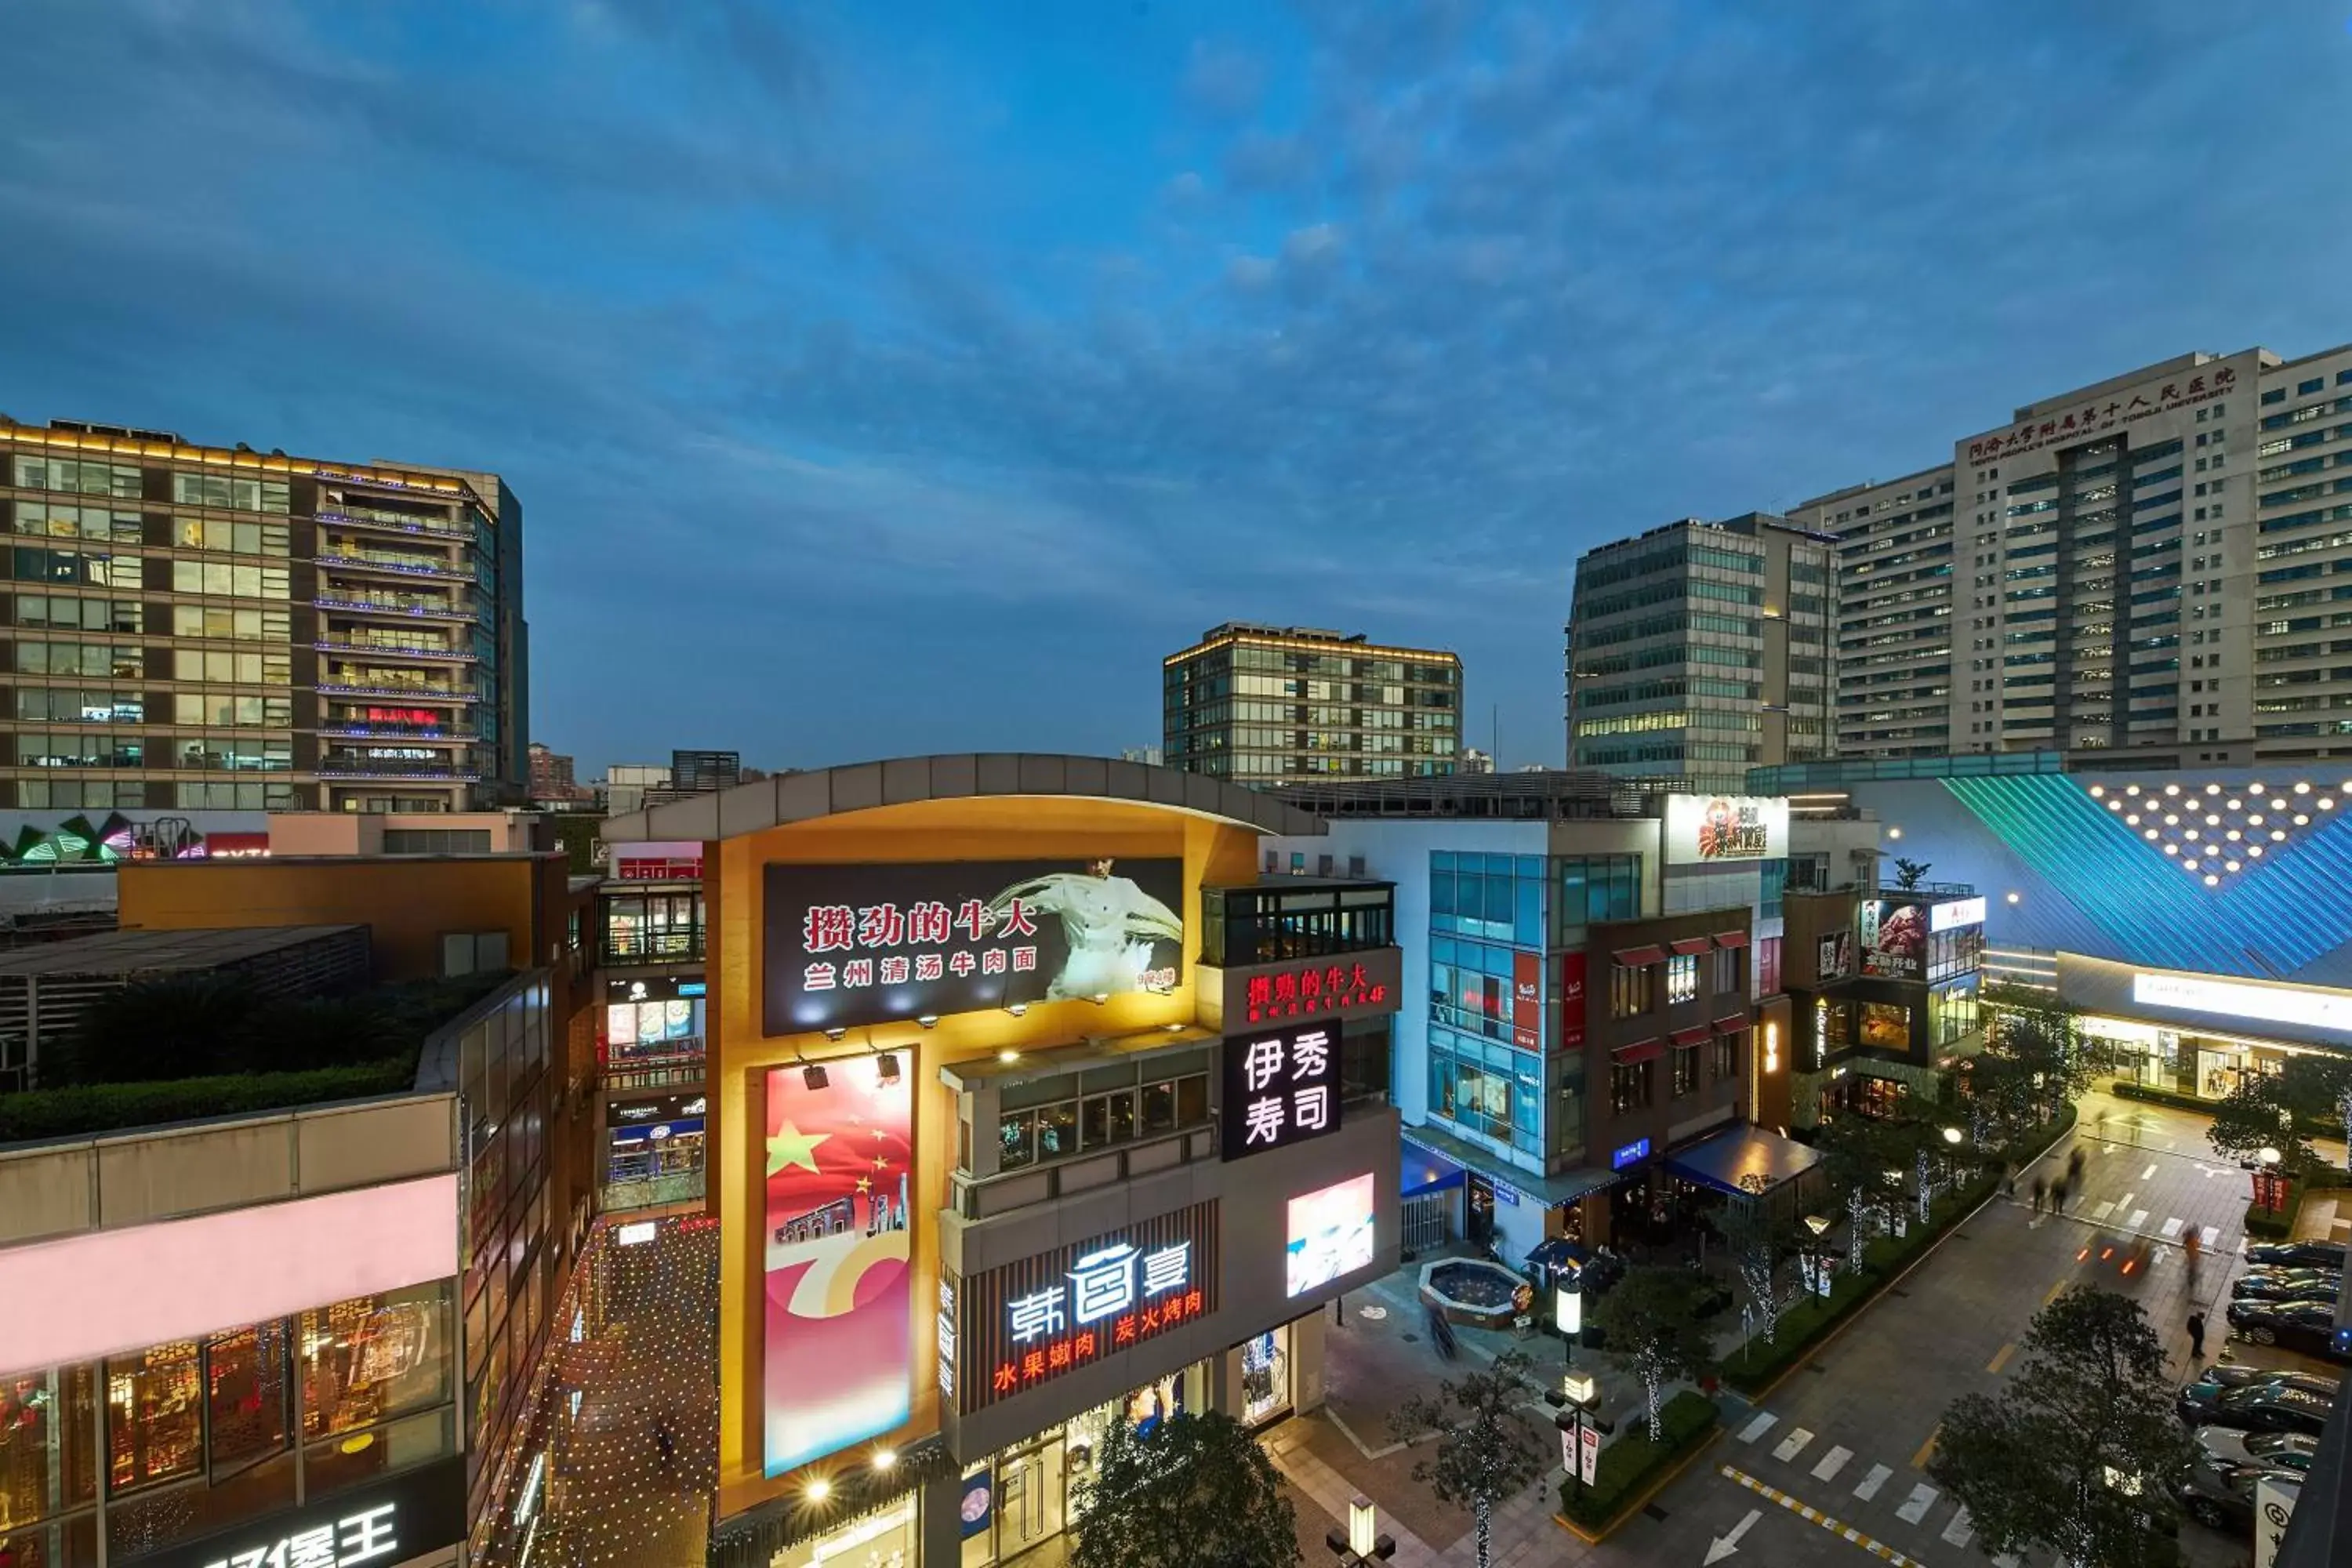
(1028, 1496)
(888, 1539)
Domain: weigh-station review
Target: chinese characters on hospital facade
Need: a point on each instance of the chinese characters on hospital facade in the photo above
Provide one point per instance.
(2097, 417)
(1281, 1088)
(1033, 1321)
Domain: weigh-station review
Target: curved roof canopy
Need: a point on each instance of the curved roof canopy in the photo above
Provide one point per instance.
(964, 776)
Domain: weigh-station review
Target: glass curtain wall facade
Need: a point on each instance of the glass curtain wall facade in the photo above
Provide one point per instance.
(1501, 927)
(198, 629)
(182, 1439)
(1265, 706)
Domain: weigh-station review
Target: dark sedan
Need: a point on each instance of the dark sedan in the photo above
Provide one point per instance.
(2221, 1497)
(2224, 1374)
(2287, 1285)
(2258, 1407)
(2296, 1255)
(2306, 1326)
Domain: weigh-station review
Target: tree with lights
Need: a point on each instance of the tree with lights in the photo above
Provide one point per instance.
(1196, 1489)
(1486, 1450)
(1652, 1316)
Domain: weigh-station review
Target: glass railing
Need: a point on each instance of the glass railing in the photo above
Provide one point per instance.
(368, 516)
(638, 947)
(385, 561)
(392, 604)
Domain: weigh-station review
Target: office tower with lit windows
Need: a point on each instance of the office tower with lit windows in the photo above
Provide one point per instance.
(1699, 651)
(2143, 566)
(205, 629)
(1265, 706)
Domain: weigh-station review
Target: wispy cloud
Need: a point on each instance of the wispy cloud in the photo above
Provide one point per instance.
(877, 381)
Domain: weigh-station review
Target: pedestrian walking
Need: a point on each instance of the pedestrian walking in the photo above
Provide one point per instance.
(2197, 1336)
(2038, 1190)
(2074, 1167)
(2058, 1196)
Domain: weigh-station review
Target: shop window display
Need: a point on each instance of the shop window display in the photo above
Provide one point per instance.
(1886, 1026)
(1265, 1375)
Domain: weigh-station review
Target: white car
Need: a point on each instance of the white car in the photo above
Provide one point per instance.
(2220, 1446)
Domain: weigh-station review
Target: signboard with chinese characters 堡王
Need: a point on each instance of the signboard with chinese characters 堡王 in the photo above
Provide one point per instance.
(403, 1516)
(1029, 1322)
(1281, 1087)
(876, 943)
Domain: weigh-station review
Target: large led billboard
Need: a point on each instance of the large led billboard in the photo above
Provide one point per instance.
(1893, 939)
(874, 943)
(839, 1329)
(1330, 1232)
(1714, 829)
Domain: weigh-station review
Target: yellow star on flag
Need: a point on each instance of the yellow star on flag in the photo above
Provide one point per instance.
(864, 1185)
(793, 1147)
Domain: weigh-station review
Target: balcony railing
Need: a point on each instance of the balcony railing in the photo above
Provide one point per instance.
(362, 731)
(653, 946)
(368, 517)
(682, 1070)
(414, 693)
(403, 650)
(347, 768)
(390, 604)
(407, 565)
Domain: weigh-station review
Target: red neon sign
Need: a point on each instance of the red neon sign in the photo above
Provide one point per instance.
(1055, 1356)
(1294, 993)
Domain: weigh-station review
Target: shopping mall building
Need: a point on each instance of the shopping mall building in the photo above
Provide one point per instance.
(1026, 1115)
(2197, 917)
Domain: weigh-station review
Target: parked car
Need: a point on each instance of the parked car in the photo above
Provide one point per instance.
(2259, 1408)
(2297, 1255)
(2287, 1285)
(2222, 1377)
(2306, 1326)
(2280, 1451)
(2221, 1497)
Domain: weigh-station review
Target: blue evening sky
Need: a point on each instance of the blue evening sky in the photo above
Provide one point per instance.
(884, 378)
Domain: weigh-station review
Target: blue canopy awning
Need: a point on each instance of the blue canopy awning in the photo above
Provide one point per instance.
(1740, 1153)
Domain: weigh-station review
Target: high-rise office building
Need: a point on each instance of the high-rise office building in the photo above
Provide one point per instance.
(198, 627)
(2094, 574)
(1699, 651)
(1270, 705)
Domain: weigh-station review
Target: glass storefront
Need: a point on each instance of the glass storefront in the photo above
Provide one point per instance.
(2186, 1061)
(654, 1153)
(1266, 1377)
(888, 1538)
(1030, 1493)
(200, 1435)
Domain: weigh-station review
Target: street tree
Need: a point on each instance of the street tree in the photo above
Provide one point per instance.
(1856, 1154)
(2045, 1037)
(1759, 1242)
(1909, 874)
(1652, 1317)
(1487, 1451)
(1196, 1489)
(2278, 1111)
(2079, 1451)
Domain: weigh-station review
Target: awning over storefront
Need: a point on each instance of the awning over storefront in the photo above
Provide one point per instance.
(1696, 1036)
(1736, 1153)
(1424, 1171)
(1636, 957)
(1690, 945)
(1639, 1051)
(1732, 1025)
(1731, 939)
(1549, 1191)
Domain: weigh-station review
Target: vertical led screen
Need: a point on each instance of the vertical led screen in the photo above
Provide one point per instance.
(840, 1339)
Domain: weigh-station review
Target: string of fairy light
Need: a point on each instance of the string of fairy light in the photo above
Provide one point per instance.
(647, 1357)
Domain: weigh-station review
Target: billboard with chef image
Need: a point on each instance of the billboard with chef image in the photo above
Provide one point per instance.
(868, 944)
(1330, 1234)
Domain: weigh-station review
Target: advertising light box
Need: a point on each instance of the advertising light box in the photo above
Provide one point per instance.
(871, 944)
(839, 1307)
(1330, 1234)
(1717, 829)
(1281, 1087)
(1893, 939)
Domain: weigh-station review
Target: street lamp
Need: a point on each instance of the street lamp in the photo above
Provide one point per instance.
(1568, 1316)
(1816, 1263)
(1578, 1400)
(1952, 1135)
(1362, 1543)
(2269, 1189)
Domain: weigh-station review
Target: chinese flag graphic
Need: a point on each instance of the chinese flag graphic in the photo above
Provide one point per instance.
(840, 1318)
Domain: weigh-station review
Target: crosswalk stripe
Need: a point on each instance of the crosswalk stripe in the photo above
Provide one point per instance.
(2103, 1211)
(1831, 1463)
(2139, 1218)
(1793, 1445)
(2172, 1229)
(1836, 1527)
(2125, 1202)
(1916, 1507)
(1958, 1530)
(1870, 1484)
(2212, 1236)
(1758, 1427)
(2148, 1174)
